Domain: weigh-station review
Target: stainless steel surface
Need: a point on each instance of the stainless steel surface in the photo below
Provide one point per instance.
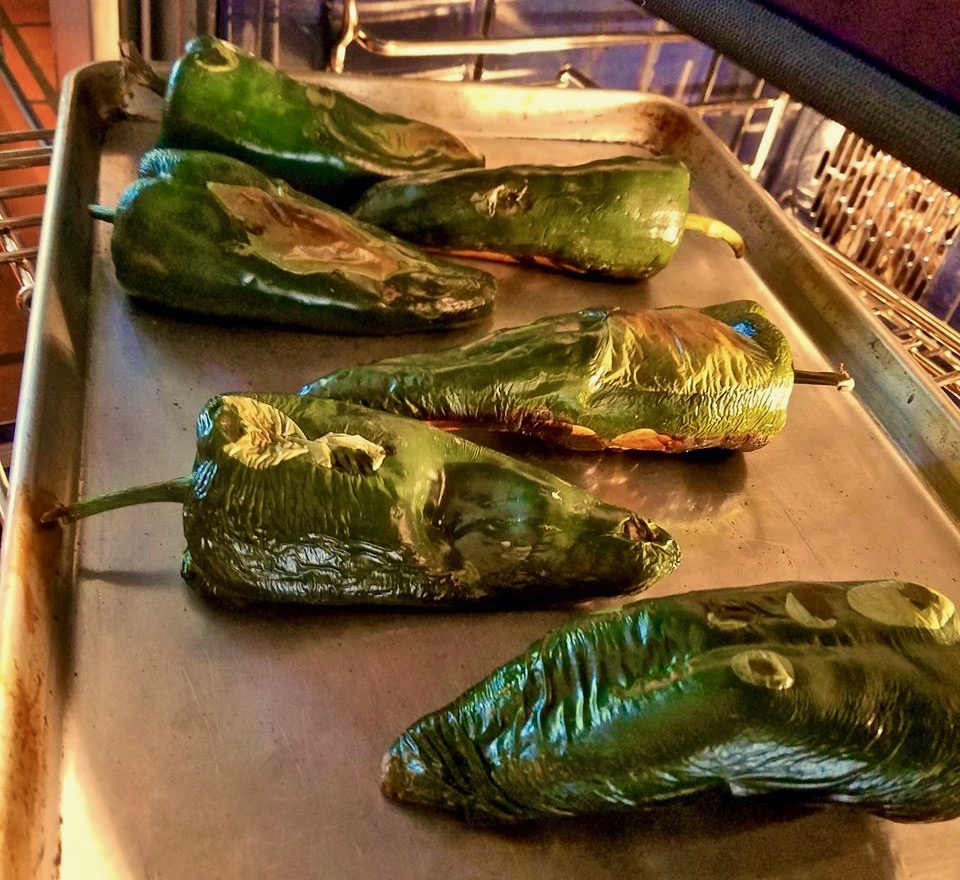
(36, 567)
(933, 344)
(201, 743)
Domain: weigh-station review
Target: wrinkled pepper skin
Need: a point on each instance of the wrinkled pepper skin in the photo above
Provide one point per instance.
(222, 99)
(316, 502)
(667, 380)
(207, 234)
(846, 692)
(616, 218)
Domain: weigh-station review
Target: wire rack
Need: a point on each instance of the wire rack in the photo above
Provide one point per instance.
(19, 150)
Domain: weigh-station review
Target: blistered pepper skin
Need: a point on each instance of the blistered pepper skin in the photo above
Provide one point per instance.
(316, 502)
(441, 522)
(845, 692)
(615, 218)
(322, 142)
(206, 234)
(667, 380)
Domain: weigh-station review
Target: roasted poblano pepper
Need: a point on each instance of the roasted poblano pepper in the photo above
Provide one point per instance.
(618, 218)
(208, 234)
(322, 142)
(845, 692)
(309, 501)
(668, 380)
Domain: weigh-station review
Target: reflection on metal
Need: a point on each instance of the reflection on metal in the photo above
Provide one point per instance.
(349, 25)
(734, 105)
(351, 32)
(932, 343)
(509, 45)
(570, 76)
(271, 46)
(770, 129)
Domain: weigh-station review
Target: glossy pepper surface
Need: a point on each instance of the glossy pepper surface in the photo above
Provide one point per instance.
(309, 501)
(668, 379)
(208, 234)
(844, 692)
(322, 142)
(618, 218)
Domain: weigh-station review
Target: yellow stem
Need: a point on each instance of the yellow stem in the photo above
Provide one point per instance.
(716, 229)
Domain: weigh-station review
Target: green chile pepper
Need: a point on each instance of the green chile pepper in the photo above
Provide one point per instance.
(309, 501)
(204, 233)
(322, 142)
(617, 218)
(845, 692)
(667, 380)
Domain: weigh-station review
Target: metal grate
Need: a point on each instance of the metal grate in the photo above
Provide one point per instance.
(935, 348)
(882, 215)
(933, 344)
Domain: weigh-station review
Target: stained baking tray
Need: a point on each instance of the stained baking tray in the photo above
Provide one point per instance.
(145, 734)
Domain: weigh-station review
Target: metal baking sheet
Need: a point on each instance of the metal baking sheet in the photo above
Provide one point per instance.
(145, 734)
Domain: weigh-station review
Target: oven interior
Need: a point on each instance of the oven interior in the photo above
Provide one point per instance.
(886, 228)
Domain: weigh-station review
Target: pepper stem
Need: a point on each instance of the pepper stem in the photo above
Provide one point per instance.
(716, 229)
(841, 380)
(139, 70)
(176, 491)
(99, 212)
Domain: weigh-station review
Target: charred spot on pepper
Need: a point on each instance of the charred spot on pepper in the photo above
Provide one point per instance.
(336, 274)
(505, 200)
(299, 239)
(809, 607)
(901, 604)
(730, 615)
(764, 668)
(920, 597)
